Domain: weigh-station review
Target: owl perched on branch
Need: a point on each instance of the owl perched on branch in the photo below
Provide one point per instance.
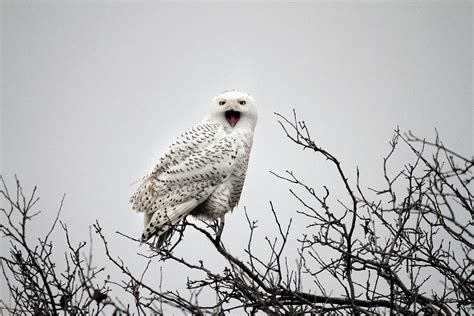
(203, 171)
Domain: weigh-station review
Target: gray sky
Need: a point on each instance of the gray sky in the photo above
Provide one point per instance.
(93, 93)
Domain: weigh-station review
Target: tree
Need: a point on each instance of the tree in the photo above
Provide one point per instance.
(386, 247)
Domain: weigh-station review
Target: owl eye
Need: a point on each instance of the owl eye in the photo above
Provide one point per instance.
(221, 102)
(242, 102)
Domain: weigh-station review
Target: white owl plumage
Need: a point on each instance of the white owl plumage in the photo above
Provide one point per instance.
(203, 171)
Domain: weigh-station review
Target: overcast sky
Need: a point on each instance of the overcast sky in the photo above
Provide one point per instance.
(92, 93)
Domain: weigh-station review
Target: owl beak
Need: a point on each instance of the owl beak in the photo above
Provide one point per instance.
(232, 117)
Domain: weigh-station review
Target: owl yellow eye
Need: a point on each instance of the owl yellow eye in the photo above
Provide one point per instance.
(221, 102)
(242, 102)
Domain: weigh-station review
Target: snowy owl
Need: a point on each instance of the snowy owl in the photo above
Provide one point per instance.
(203, 171)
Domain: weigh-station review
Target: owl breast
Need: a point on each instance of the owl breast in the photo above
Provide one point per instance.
(227, 195)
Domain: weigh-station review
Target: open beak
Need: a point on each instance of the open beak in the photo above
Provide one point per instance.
(232, 117)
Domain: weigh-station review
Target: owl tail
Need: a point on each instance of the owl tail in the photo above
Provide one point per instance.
(163, 221)
(164, 238)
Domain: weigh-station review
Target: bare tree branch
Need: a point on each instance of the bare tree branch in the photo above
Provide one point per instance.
(402, 248)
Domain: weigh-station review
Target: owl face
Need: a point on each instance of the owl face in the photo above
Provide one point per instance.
(236, 108)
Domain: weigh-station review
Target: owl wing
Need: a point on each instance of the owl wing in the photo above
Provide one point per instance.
(191, 141)
(170, 195)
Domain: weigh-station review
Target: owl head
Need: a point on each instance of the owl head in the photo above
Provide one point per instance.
(233, 109)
